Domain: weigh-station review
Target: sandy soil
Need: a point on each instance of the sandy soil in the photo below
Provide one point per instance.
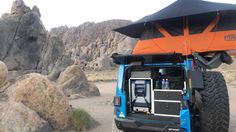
(232, 97)
(101, 108)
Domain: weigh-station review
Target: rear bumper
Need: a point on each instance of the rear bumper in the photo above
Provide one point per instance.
(163, 124)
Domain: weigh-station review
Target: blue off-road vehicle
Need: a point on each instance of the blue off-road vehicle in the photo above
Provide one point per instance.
(166, 84)
(168, 93)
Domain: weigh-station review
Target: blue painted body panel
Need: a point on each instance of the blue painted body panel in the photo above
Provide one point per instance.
(185, 120)
(121, 111)
(184, 113)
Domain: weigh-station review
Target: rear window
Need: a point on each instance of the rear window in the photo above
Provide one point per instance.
(227, 22)
(198, 23)
(151, 32)
(174, 27)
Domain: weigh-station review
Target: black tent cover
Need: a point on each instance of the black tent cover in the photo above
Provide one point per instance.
(180, 8)
(147, 58)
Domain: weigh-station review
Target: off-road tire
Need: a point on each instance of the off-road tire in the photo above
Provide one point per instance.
(114, 127)
(214, 112)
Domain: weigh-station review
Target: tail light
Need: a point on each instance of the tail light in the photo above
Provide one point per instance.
(117, 101)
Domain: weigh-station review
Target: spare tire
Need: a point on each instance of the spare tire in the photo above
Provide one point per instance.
(214, 110)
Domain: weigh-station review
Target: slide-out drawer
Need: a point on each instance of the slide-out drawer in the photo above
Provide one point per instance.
(168, 95)
(167, 108)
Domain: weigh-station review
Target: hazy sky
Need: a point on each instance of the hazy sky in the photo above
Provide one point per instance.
(74, 12)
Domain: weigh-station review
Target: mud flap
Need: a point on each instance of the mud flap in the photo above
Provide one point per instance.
(195, 79)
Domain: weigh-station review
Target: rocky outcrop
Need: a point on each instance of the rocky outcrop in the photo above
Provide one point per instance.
(54, 58)
(37, 93)
(22, 38)
(26, 45)
(93, 43)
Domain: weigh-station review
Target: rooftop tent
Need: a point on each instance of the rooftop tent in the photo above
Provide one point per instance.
(186, 26)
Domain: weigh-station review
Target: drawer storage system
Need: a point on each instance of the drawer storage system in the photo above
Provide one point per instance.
(167, 95)
(167, 102)
(160, 102)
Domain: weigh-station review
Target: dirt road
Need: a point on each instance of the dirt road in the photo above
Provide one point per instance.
(101, 108)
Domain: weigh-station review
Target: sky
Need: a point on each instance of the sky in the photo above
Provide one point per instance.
(56, 13)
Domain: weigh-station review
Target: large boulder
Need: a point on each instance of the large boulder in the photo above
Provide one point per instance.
(16, 117)
(3, 73)
(37, 93)
(73, 81)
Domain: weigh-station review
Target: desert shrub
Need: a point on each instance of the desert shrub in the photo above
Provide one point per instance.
(80, 119)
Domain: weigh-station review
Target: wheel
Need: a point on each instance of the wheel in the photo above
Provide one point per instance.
(214, 109)
(114, 127)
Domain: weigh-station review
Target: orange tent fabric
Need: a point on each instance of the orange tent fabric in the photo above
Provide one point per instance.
(188, 43)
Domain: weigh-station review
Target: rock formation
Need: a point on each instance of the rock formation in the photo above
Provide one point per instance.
(54, 59)
(26, 45)
(23, 37)
(37, 93)
(36, 104)
(94, 43)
